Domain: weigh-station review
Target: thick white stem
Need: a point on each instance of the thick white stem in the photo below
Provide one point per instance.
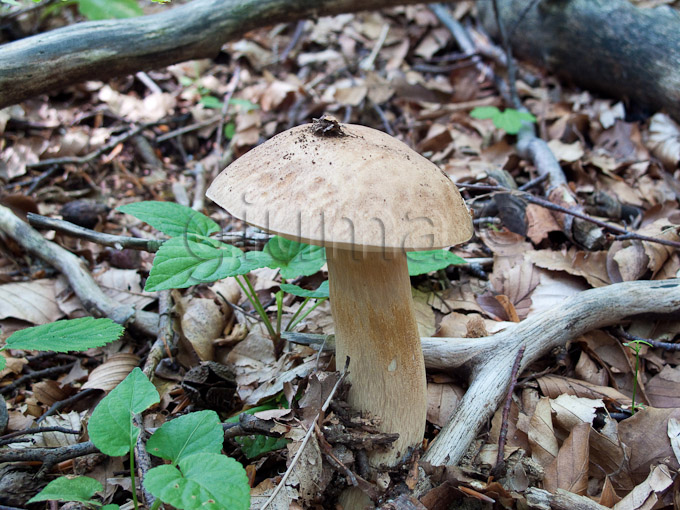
(375, 326)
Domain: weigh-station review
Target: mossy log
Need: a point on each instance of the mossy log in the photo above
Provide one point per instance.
(609, 46)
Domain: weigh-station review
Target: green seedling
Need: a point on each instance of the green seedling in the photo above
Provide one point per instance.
(636, 346)
(64, 336)
(509, 120)
(198, 476)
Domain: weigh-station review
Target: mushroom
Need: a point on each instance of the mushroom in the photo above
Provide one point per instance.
(368, 199)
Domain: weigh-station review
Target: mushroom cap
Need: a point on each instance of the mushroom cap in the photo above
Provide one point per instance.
(344, 186)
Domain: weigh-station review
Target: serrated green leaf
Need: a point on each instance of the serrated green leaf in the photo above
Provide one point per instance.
(108, 9)
(67, 335)
(293, 258)
(170, 218)
(319, 293)
(199, 432)
(80, 488)
(185, 261)
(421, 262)
(206, 481)
(485, 112)
(254, 446)
(110, 427)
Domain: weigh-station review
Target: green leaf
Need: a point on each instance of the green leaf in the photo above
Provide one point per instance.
(206, 481)
(199, 432)
(107, 9)
(421, 262)
(110, 427)
(229, 130)
(3, 361)
(243, 103)
(320, 293)
(185, 261)
(254, 446)
(485, 112)
(293, 258)
(211, 102)
(170, 218)
(80, 489)
(112, 506)
(68, 335)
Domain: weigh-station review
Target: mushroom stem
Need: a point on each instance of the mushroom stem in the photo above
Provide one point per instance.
(375, 326)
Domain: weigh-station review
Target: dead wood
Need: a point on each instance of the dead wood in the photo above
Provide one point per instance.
(490, 359)
(74, 269)
(609, 46)
(98, 50)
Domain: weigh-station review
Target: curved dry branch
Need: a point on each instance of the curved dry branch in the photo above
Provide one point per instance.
(98, 50)
(490, 358)
(74, 269)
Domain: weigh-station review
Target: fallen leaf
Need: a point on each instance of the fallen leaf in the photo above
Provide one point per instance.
(33, 301)
(569, 470)
(544, 446)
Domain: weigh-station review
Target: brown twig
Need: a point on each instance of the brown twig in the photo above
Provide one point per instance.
(48, 456)
(114, 241)
(67, 401)
(248, 425)
(38, 374)
(76, 272)
(502, 436)
(549, 205)
(38, 430)
(164, 344)
(654, 343)
(74, 160)
(510, 66)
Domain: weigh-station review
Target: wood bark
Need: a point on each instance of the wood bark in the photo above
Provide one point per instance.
(490, 359)
(98, 50)
(609, 46)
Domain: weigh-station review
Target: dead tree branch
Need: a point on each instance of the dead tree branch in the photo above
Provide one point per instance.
(74, 269)
(98, 50)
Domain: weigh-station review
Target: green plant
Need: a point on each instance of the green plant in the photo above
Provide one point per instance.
(197, 476)
(636, 346)
(96, 9)
(509, 120)
(64, 336)
(191, 257)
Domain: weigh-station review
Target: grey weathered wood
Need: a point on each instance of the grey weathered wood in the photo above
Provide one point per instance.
(603, 45)
(99, 50)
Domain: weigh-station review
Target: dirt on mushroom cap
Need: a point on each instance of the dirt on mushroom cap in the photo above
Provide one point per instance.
(362, 188)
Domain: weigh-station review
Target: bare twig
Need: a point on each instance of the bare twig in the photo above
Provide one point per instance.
(654, 343)
(231, 88)
(549, 205)
(510, 62)
(67, 401)
(114, 241)
(308, 435)
(74, 269)
(369, 61)
(38, 430)
(48, 456)
(73, 160)
(506, 409)
(32, 376)
(199, 188)
(164, 344)
(188, 129)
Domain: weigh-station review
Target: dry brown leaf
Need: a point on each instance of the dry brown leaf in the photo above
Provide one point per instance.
(540, 222)
(646, 495)
(515, 278)
(49, 391)
(33, 301)
(544, 446)
(589, 265)
(553, 289)
(261, 493)
(664, 139)
(674, 436)
(569, 470)
(571, 410)
(663, 390)
(567, 152)
(553, 386)
(645, 435)
(112, 372)
(442, 400)
(587, 370)
(423, 313)
(608, 496)
(201, 323)
(306, 475)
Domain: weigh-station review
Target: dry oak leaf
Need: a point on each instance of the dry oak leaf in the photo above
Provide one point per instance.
(569, 470)
(33, 301)
(544, 446)
(589, 265)
(663, 390)
(112, 372)
(647, 494)
(553, 386)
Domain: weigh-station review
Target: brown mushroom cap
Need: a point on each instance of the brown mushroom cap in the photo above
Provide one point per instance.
(354, 186)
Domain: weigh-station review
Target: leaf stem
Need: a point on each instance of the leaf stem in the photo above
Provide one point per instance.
(252, 297)
(292, 324)
(132, 474)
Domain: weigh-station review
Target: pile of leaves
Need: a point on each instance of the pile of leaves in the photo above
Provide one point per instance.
(598, 418)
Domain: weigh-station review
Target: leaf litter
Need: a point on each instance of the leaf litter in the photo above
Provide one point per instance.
(571, 414)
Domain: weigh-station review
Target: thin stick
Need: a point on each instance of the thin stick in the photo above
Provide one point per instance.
(114, 241)
(654, 343)
(67, 401)
(510, 62)
(506, 408)
(32, 376)
(308, 435)
(549, 205)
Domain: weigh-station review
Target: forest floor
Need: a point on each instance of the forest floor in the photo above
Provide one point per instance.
(571, 423)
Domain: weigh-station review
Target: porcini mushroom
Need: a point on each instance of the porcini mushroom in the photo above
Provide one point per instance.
(368, 199)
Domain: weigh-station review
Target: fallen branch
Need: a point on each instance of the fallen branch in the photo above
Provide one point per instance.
(98, 50)
(490, 359)
(74, 269)
(48, 456)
